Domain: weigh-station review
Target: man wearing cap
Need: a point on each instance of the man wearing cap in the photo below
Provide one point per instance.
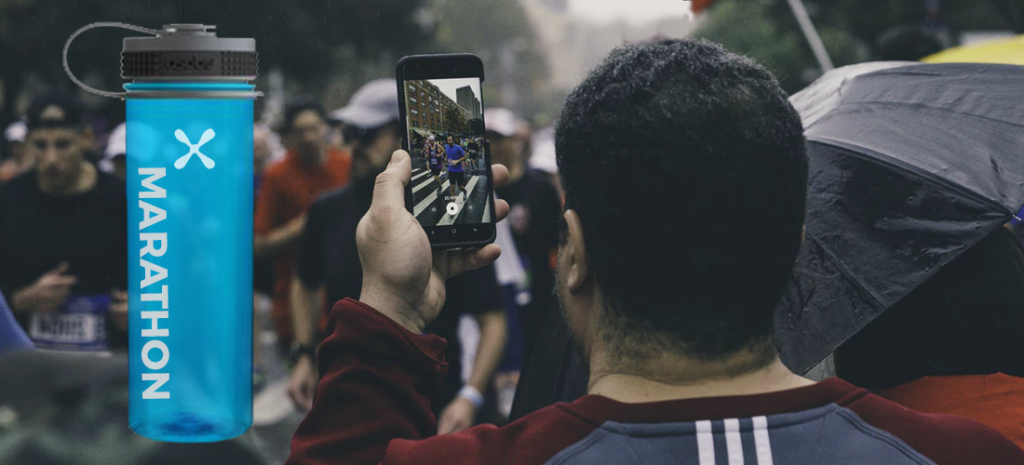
(329, 266)
(535, 209)
(63, 240)
(310, 168)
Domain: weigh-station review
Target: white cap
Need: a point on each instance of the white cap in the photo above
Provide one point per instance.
(117, 145)
(543, 156)
(501, 121)
(16, 132)
(372, 106)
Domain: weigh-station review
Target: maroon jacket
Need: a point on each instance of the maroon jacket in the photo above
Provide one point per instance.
(377, 381)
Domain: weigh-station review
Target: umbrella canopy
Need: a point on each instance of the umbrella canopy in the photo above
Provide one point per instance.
(1006, 51)
(910, 165)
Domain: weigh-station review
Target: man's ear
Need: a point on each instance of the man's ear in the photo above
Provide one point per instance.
(803, 233)
(576, 250)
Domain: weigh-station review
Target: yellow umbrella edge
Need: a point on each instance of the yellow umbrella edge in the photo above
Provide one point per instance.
(1002, 51)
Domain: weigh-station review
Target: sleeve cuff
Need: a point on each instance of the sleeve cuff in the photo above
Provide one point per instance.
(356, 318)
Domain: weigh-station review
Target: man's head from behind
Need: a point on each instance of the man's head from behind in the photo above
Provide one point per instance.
(56, 131)
(371, 127)
(685, 171)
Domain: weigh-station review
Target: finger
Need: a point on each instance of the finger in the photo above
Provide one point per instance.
(500, 174)
(389, 190)
(461, 261)
(500, 210)
(60, 269)
(64, 281)
(446, 424)
(307, 397)
(293, 394)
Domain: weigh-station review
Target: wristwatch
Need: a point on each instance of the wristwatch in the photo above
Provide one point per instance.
(298, 350)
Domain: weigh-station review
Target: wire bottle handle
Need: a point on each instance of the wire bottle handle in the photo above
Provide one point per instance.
(118, 95)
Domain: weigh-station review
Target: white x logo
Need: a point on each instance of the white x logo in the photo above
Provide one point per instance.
(194, 149)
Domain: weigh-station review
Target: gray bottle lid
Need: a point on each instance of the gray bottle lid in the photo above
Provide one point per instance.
(188, 50)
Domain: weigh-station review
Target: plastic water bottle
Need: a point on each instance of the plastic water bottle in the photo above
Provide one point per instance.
(190, 206)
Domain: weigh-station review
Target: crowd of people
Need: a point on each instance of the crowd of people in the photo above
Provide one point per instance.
(673, 316)
(62, 246)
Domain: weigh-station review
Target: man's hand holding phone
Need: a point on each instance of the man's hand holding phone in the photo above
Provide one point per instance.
(403, 278)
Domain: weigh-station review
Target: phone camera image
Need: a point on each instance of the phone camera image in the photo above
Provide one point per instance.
(450, 183)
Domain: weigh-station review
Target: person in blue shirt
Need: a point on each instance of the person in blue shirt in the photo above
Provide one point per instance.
(456, 156)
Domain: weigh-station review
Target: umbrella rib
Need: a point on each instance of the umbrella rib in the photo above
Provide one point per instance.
(923, 105)
(875, 301)
(896, 164)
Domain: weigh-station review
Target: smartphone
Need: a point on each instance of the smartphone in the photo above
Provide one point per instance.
(452, 190)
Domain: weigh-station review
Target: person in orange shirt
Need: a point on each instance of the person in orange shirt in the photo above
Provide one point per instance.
(953, 344)
(310, 168)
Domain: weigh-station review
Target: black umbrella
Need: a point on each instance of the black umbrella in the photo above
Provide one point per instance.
(910, 165)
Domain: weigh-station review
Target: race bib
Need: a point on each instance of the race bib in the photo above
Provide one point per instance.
(79, 326)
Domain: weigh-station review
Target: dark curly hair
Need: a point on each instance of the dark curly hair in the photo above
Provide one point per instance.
(688, 169)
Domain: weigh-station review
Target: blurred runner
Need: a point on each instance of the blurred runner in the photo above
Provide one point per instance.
(435, 157)
(289, 187)
(63, 240)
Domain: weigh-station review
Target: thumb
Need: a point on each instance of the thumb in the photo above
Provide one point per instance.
(389, 190)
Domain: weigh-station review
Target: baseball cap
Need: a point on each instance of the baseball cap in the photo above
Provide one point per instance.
(116, 146)
(54, 110)
(16, 132)
(501, 121)
(373, 105)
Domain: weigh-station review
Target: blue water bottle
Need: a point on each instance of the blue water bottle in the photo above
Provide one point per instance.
(190, 206)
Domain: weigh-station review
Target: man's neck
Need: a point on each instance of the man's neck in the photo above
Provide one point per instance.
(85, 181)
(674, 377)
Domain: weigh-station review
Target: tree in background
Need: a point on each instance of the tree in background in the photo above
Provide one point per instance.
(455, 121)
(499, 32)
(771, 36)
(852, 30)
(303, 39)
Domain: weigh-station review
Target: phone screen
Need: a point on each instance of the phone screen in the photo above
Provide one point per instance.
(450, 184)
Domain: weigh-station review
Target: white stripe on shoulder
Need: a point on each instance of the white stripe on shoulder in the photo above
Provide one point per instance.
(761, 442)
(733, 441)
(705, 443)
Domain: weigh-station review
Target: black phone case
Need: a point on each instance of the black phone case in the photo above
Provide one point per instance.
(400, 82)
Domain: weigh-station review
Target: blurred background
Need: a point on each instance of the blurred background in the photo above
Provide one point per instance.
(534, 52)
